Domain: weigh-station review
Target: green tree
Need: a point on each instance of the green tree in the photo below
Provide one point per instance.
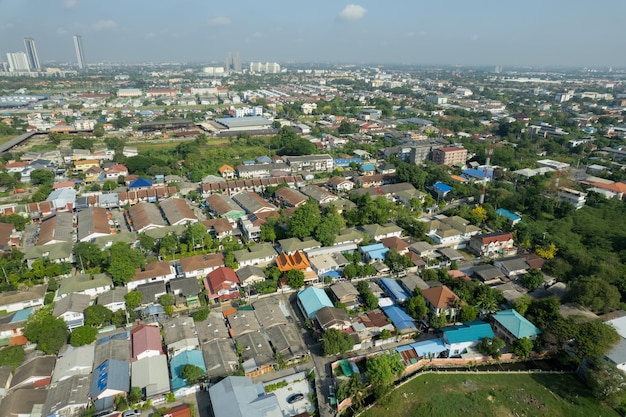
(349, 271)
(533, 279)
(135, 395)
(439, 321)
(168, 244)
(416, 307)
(385, 334)
(167, 301)
(522, 347)
(122, 262)
(396, 262)
(88, 255)
(118, 318)
(491, 346)
(607, 383)
(146, 243)
(48, 332)
(593, 339)
(200, 315)
(468, 313)
(295, 278)
(83, 335)
(304, 220)
(42, 177)
(16, 220)
(192, 373)
(594, 293)
(97, 315)
(335, 342)
(98, 130)
(133, 300)
(196, 236)
(12, 356)
(109, 185)
(329, 226)
(382, 371)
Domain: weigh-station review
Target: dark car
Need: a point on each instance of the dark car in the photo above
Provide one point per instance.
(294, 398)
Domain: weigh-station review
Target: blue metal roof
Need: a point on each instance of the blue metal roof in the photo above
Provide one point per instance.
(344, 162)
(110, 374)
(400, 319)
(313, 299)
(332, 274)
(516, 324)
(140, 183)
(368, 167)
(21, 315)
(432, 346)
(478, 173)
(468, 332)
(508, 214)
(442, 188)
(395, 290)
(188, 357)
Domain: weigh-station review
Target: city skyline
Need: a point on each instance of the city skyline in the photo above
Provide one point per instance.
(496, 33)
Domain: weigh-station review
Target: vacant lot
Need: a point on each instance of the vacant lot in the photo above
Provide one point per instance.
(494, 395)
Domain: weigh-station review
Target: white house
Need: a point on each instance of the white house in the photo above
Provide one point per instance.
(157, 271)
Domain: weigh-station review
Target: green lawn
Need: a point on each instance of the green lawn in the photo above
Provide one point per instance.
(494, 395)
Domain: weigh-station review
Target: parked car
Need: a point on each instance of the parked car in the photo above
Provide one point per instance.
(131, 413)
(294, 398)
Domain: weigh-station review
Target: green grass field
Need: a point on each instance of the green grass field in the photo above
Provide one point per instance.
(493, 395)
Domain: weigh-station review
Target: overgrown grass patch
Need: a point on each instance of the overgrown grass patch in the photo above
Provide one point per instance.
(437, 395)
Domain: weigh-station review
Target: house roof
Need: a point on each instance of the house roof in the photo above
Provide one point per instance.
(218, 225)
(297, 260)
(440, 297)
(194, 263)
(110, 374)
(22, 402)
(116, 295)
(252, 202)
(313, 299)
(177, 329)
(150, 290)
(400, 319)
(286, 340)
(82, 282)
(293, 244)
(487, 272)
(221, 275)
(344, 289)
(290, 196)
(269, 313)
(468, 332)
(516, 324)
(225, 168)
(249, 271)
(396, 243)
(617, 354)
(140, 183)
(186, 286)
(187, 357)
(41, 367)
(145, 214)
(93, 220)
(256, 351)
(153, 270)
(71, 392)
(32, 293)
(374, 230)
(488, 238)
(74, 361)
(177, 210)
(74, 302)
(145, 338)
(258, 251)
(328, 316)
(238, 396)
(57, 227)
(151, 374)
(118, 349)
(395, 290)
(223, 204)
(220, 357)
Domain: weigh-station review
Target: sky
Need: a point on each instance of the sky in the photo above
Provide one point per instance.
(453, 32)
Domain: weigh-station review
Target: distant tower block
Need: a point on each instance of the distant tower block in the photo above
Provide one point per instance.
(237, 65)
(31, 54)
(80, 55)
(229, 62)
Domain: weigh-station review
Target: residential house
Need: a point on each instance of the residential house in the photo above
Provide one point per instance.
(269, 313)
(227, 172)
(397, 244)
(219, 228)
(109, 379)
(375, 252)
(157, 271)
(11, 327)
(371, 323)
(179, 335)
(68, 397)
(488, 274)
(223, 206)
(241, 322)
(220, 357)
(403, 323)
(114, 299)
(311, 300)
(177, 211)
(11, 301)
(55, 229)
(145, 216)
(239, 396)
(139, 184)
(345, 293)
(512, 326)
(115, 171)
(290, 197)
(84, 164)
(462, 338)
(299, 261)
(394, 290)
(186, 290)
(187, 357)
(253, 203)
(222, 284)
(257, 354)
(9, 238)
(442, 301)
(74, 361)
(23, 402)
(450, 156)
(512, 267)
(332, 318)
(151, 375)
(91, 285)
(293, 245)
(312, 163)
(92, 223)
(200, 265)
(378, 232)
(71, 309)
(287, 342)
(340, 184)
(452, 231)
(259, 254)
(145, 341)
(35, 373)
(327, 264)
(250, 275)
(490, 245)
(318, 194)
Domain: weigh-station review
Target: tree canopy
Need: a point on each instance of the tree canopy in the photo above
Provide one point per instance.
(335, 342)
(83, 335)
(382, 371)
(48, 332)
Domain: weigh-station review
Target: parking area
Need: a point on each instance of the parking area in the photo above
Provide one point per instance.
(295, 398)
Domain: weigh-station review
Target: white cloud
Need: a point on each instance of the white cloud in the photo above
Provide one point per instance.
(352, 12)
(219, 21)
(61, 31)
(104, 24)
(474, 37)
(70, 4)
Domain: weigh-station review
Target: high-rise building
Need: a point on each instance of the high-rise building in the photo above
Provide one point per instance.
(80, 56)
(31, 53)
(18, 62)
(229, 62)
(237, 65)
